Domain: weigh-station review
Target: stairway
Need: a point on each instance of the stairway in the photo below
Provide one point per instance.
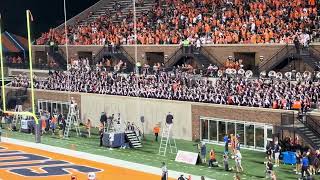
(309, 129)
(310, 136)
(118, 54)
(201, 59)
(201, 56)
(309, 58)
(134, 141)
(57, 55)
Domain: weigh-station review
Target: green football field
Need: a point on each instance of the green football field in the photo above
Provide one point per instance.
(252, 162)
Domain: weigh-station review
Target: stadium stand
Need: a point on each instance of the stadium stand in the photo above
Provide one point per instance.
(182, 85)
(211, 21)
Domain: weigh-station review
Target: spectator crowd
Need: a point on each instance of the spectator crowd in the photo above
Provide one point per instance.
(205, 21)
(181, 85)
(14, 59)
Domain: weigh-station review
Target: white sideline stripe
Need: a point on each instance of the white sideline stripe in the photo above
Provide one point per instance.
(98, 158)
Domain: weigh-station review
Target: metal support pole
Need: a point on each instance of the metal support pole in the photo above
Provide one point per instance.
(37, 132)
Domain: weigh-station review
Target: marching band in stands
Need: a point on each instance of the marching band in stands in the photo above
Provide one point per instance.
(229, 87)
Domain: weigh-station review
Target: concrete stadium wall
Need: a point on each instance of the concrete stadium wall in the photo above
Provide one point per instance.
(186, 114)
(132, 108)
(221, 52)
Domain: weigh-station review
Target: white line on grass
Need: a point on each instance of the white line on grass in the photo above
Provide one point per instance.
(97, 158)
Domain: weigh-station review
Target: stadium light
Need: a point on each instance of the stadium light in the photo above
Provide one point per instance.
(135, 31)
(66, 29)
(66, 45)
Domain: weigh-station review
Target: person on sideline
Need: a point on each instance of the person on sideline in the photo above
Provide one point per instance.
(276, 151)
(92, 176)
(226, 143)
(156, 131)
(305, 166)
(164, 169)
(269, 169)
(203, 151)
(88, 127)
(212, 160)
(237, 159)
(101, 131)
(226, 162)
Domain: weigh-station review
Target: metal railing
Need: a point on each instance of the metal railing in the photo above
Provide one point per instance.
(314, 52)
(313, 125)
(174, 57)
(127, 55)
(100, 54)
(211, 57)
(57, 54)
(280, 54)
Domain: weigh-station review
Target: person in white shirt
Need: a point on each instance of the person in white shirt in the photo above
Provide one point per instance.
(198, 44)
(237, 159)
(164, 169)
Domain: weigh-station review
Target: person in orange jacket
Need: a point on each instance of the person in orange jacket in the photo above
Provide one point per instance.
(156, 131)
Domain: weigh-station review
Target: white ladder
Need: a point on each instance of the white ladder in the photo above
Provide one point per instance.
(72, 119)
(167, 139)
(17, 117)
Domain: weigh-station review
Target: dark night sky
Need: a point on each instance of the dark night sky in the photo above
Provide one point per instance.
(46, 14)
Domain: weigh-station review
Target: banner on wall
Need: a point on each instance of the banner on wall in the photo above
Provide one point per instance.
(187, 157)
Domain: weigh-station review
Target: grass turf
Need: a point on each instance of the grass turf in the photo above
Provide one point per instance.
(252, 161)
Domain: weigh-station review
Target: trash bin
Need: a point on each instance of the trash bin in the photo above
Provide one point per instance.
(289, 157)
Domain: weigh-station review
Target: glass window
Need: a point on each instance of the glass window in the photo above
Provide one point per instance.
(65, 110)
(54, 107)
(204, 129)
(40, 106)
(249, 135)
(240, 132)
(44, 106)
(221, 130)
(59, 109)
(49, 107)
(269, 133)
(231, 129)
(259, 137)
(213, 130)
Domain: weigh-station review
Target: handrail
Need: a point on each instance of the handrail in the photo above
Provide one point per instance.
(275, 56)
(313, 125)
(134, 125)
(63, 54)
(128, 56)
(174, 56)
(99, 55)
(314, 51)
(211, 56)
(52, 54)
